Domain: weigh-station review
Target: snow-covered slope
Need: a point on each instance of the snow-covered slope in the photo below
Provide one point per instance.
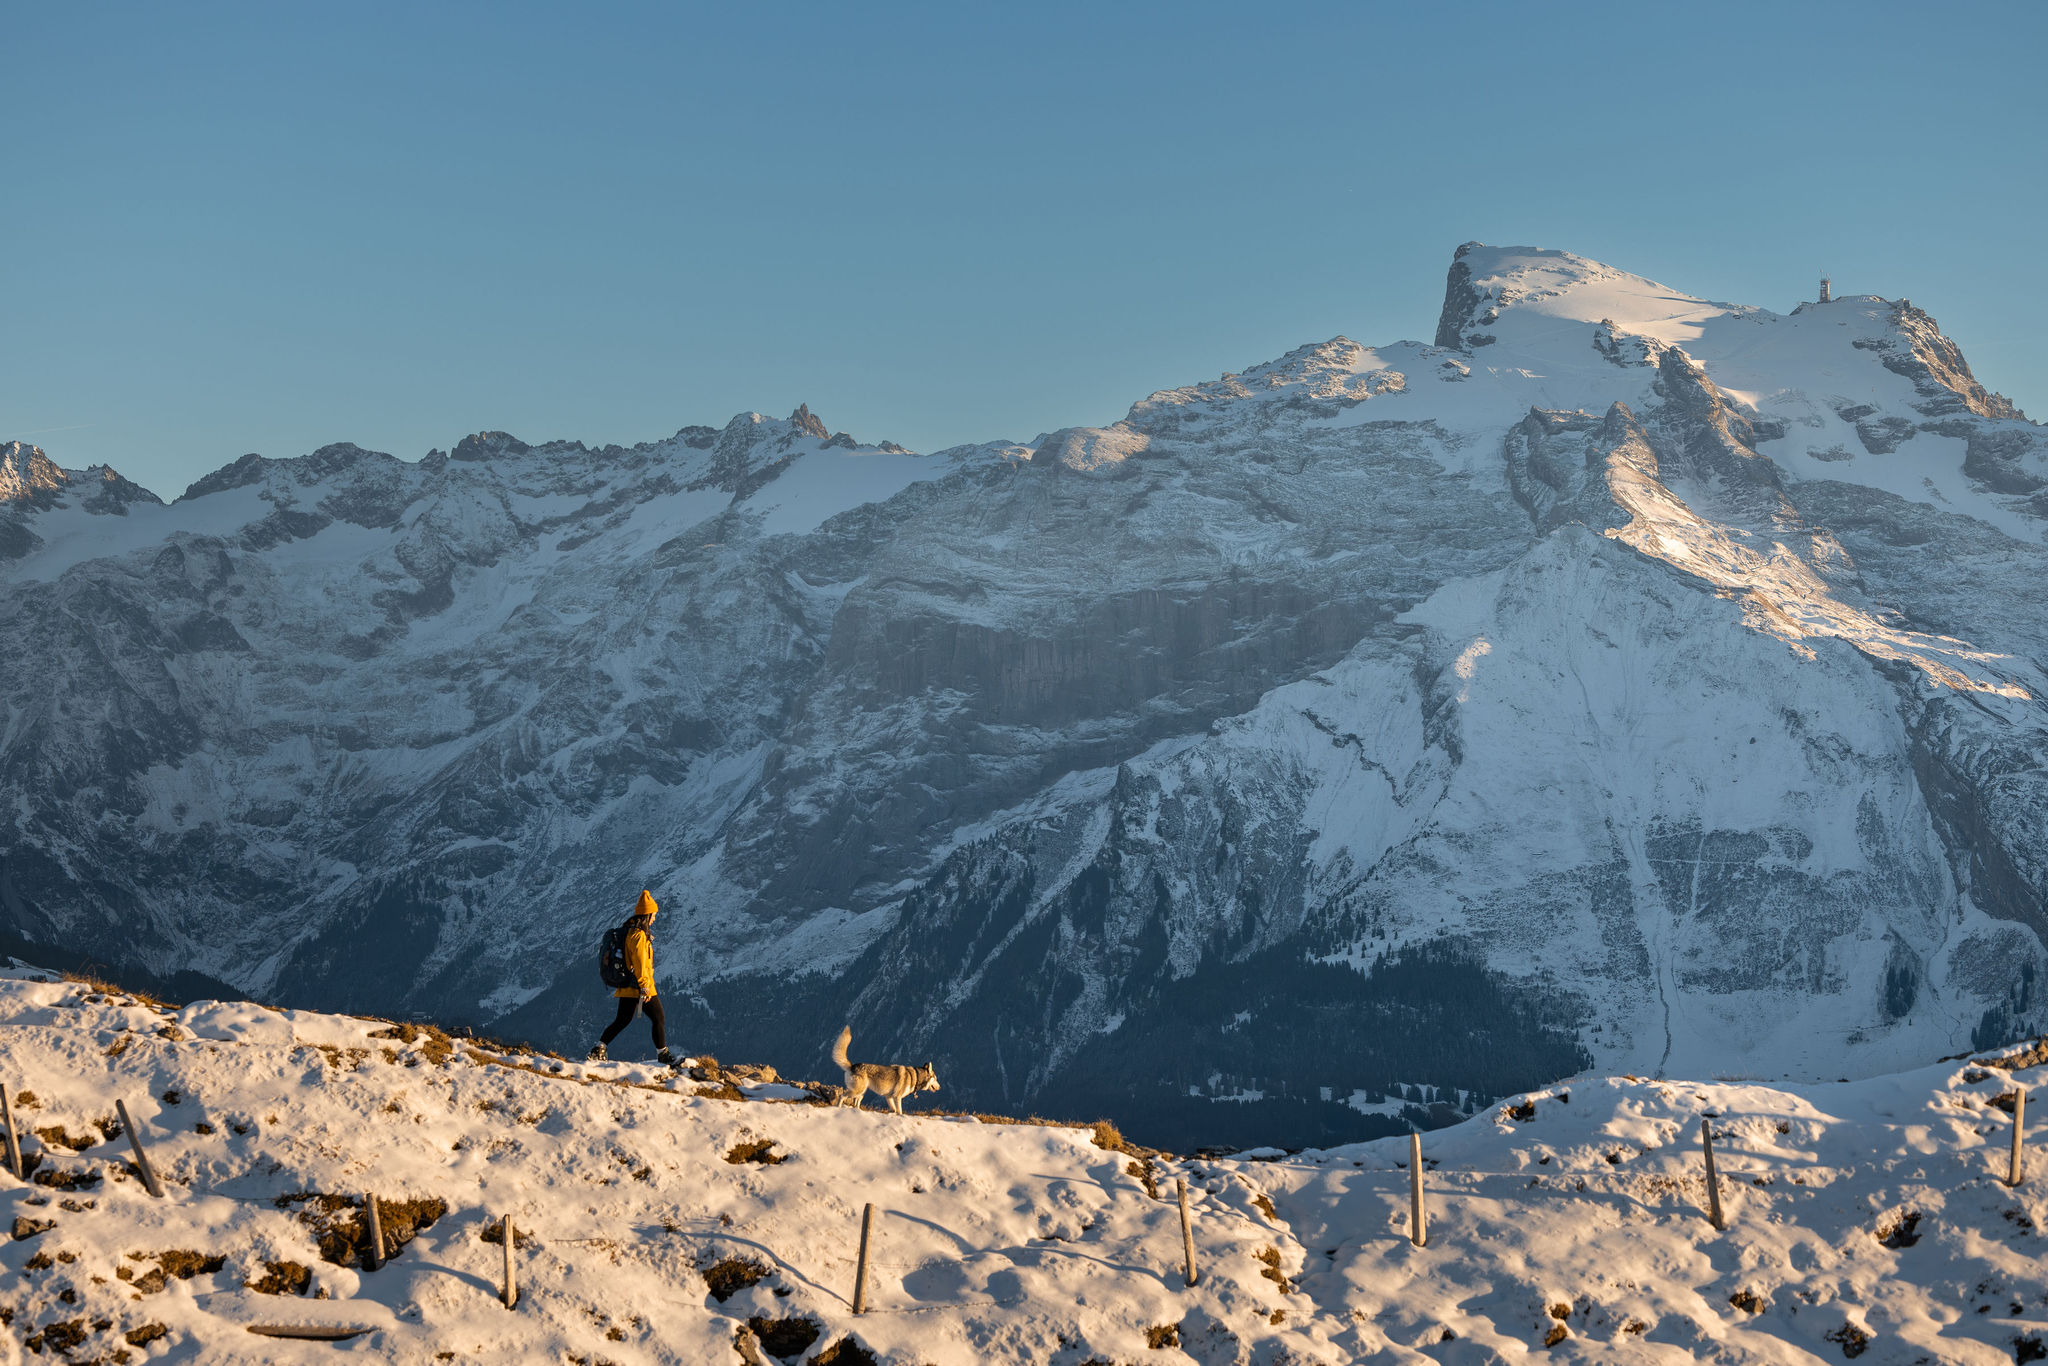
(1625, 679)
(655, 1223)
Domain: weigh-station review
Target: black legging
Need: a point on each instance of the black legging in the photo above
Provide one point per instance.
(625, 1017)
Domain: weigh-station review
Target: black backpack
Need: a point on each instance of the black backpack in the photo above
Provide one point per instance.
(611, 957)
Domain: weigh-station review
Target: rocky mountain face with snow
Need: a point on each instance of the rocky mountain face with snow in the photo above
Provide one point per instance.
(1623, 680)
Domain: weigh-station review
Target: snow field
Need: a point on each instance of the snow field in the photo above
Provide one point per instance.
(992, 1242)
(1864, 1218)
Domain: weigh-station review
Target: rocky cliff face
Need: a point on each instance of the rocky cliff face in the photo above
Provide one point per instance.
(1626, 680)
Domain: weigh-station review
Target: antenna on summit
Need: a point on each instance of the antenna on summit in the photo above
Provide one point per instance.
(1825, 295)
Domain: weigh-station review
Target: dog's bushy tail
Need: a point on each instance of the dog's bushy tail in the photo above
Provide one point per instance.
(839, 1048)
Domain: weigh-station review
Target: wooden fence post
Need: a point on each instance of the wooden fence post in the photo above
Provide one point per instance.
(13, 1143)
(1418, 1227)
(860, 1271)
(373, 1227)
(1713, 1178)
(511, 1283)
(1187, 1232)
(2019, 1129)
(149, 1181)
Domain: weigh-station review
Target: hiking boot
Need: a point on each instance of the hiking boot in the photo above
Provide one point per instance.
(596, 1053)
(668, 1059)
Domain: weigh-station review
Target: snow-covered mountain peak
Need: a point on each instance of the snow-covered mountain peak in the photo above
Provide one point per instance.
(1521, 294)
(30, 479)
(1320, 378)
(27, 474)
(488, 446)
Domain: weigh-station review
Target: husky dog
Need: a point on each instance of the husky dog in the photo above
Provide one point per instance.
(889, 1081)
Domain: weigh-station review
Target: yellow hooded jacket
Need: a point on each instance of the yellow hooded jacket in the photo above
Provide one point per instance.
(640, 950)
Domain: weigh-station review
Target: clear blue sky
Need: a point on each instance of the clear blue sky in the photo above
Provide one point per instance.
(267, 227)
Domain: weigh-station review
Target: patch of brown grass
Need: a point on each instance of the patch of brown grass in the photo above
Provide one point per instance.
(181, 1264)
(337, 1225)
(728, 1276)
(785, 1338)
(433, 1045)
(128, 995)
(1270, 1257)
(494, 1234)
(760, 1152)
(186, 1265)
(1162, 1335)
(1850, 1338)
(61, 1337)
(845, 1352)
(283, 1278)
(57, 1136)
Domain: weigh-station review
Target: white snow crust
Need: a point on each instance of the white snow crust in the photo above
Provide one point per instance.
(1867, 1214)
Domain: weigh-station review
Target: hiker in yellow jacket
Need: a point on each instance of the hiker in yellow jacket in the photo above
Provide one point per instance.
(639, 953)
